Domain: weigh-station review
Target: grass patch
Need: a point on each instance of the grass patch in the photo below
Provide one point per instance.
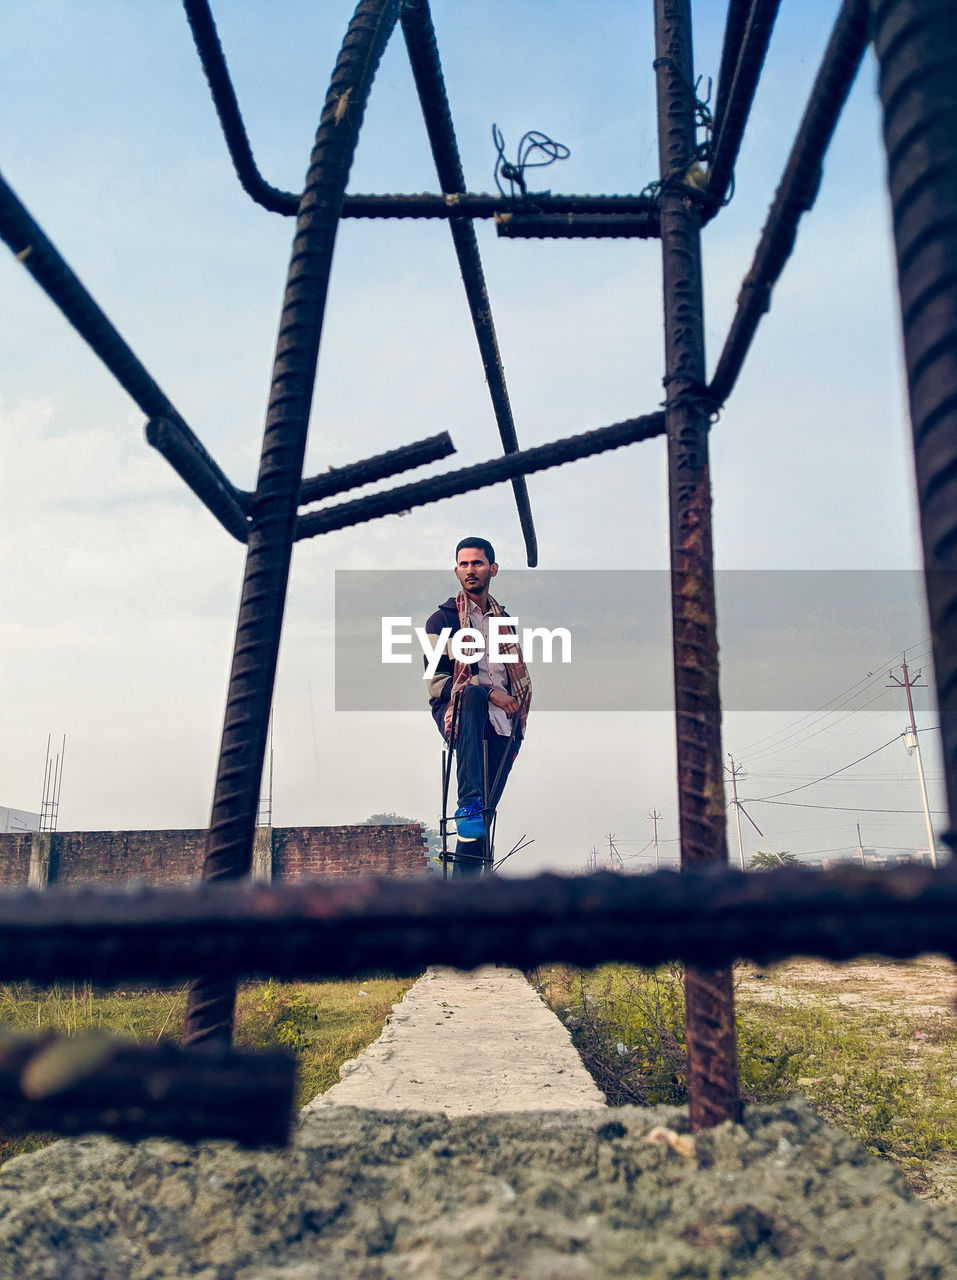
(323, 1023)
(885, 1076)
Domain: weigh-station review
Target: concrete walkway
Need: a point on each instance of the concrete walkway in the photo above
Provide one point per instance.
(463, 1043)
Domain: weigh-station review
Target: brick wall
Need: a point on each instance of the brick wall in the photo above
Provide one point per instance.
(169, 857)
(14, 858)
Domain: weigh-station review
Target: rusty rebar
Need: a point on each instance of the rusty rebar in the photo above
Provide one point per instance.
(796, 191)
(269, 547)
(340, 927)
(482, 205)
(736, 105)
(576, 226)
(379, 467)
(193, 467)
(65, 290)
(451, 484)
(423, 51)
(100, 1084)
(916, 45)
(712, 1062)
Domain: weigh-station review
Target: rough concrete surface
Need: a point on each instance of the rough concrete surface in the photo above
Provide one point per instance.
(468, 1042)
(398, 1194)
(368, 1195)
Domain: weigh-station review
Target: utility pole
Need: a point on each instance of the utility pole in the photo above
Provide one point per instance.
(613, 853)
(860, 846)
(654, 816)
(736, 771)
(912, 744)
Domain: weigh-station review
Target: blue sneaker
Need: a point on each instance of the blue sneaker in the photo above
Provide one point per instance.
(470, 821)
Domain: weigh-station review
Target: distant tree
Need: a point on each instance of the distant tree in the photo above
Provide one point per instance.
(432, 837)
(764, 861)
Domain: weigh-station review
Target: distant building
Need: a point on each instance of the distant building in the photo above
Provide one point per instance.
(18, 820)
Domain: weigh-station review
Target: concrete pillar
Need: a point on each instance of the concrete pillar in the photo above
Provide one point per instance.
(41, 849)
(262, 855)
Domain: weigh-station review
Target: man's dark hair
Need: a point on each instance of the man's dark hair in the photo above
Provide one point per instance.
(482, 544)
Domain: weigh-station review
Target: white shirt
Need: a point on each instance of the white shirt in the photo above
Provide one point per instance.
(490, 675)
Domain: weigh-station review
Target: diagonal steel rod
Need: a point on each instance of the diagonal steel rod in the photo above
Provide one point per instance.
(427, 72)
(797, 190)
(734, 24)
(916, 46)
(709, 1000)
(213, 61)
(169, 439)
(51, 272)
(466, 479)
(379, 467)
(269, 548)
(740, 98)
(339, 927)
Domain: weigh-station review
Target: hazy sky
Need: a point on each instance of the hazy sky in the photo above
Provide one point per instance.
(120, 591)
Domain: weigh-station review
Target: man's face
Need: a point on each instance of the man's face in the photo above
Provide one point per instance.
(474, 571)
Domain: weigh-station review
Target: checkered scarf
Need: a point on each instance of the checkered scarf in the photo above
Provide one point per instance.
(518, 678)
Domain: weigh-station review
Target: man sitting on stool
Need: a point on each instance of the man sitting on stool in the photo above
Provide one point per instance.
(484, 696)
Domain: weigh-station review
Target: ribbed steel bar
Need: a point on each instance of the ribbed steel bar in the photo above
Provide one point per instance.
(797, 190)
(451, 484)
(735, 21)
(99, 1084)
(269, 548)
(916, 45)
(216, 71)
(736, 109)
(335, 928)
(44, 262)
(193, 467)
(709, 999)
(379, 467)
(429, 82)
(576, 226)
(470, 205)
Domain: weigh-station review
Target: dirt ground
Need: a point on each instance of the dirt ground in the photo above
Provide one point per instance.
(925, 987)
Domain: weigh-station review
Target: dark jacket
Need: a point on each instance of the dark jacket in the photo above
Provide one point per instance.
(440, 685)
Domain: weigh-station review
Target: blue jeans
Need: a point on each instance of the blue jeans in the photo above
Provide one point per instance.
(473, 728)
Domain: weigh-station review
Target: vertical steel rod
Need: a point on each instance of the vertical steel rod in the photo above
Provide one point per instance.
(916, 46)
(211, 1002)
(712, 1060)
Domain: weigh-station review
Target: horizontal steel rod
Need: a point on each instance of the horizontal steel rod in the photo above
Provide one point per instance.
(40, 257)
(472, 205)
(312, 929)
(453, 483)
(194, 468)
(378, 467)
(100, 1084)
(577, 226)
(797, 190)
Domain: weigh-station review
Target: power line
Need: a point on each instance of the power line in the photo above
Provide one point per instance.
(844, 808)
(897, 737)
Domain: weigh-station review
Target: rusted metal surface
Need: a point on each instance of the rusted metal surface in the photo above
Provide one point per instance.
(334, 928)
(430, 84)
(466, 479)
(796, 192)
(269, 547)
(712, 1063)
(916, 45)
(100, 1084)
